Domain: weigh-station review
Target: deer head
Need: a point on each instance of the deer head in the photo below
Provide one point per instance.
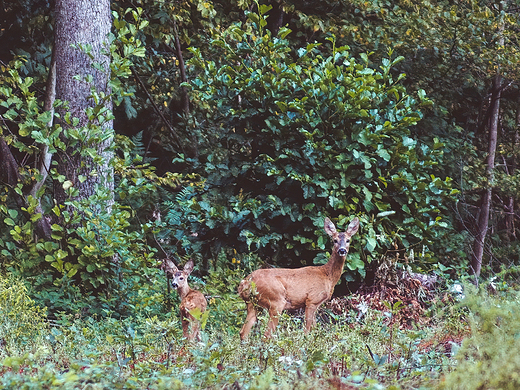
(180, 278)
(341, 240)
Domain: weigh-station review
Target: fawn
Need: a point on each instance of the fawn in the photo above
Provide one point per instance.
(190, 299)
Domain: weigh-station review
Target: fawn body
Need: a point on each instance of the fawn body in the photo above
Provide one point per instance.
(279, 289)
(190, 299)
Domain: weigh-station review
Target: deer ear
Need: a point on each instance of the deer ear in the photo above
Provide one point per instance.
(188, 267)
(329, 227)
(353, 227)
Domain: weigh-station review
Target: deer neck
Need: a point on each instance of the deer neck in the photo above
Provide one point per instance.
(183, 290)
(334, 267)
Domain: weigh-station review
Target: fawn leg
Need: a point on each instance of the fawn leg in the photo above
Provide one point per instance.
(195, 330)
(186, 328)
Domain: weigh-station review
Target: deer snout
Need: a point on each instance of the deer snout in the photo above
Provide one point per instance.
(174, 285)
(342, 251)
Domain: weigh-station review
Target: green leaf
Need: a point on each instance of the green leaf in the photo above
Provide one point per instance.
(384, 154)
(371, 244)
(67, 184)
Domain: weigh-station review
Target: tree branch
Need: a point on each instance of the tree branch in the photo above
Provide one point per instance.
(45, 157)
(166, 122)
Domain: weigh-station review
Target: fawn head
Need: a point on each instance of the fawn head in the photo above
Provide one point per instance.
(341, 240)
(180, 278)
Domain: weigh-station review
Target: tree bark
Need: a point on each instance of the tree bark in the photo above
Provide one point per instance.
(45, 157)
(87, 23)
(485, 207)
(275, 19)
(182, 68)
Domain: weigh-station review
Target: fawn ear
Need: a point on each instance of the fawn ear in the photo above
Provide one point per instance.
(353, 227)
(329, 227)
(169, 267)
(188, 267)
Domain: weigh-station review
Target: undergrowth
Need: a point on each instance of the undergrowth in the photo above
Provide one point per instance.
(346, 352)
(488, 358)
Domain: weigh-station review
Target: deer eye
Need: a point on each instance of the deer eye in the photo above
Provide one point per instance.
(335, 241)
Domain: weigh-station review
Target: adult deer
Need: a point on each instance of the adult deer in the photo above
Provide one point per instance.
(190, 299)
(278, 289)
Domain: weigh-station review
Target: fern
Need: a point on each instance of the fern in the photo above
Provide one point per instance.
(139, 150)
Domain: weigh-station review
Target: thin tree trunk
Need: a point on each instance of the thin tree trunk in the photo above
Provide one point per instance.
(510, 217)
(485, 207)
(483, 220)
(45, 158)
(86, 23)
(182, 68)
(9, 175)
(193, 149)
(275, 19)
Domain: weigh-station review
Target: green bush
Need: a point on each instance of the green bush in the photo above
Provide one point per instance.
(286, 137)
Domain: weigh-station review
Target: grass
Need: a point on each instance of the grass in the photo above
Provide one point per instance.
(393, 344)
(143, 352)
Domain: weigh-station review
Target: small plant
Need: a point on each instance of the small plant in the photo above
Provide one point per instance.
(22, 322)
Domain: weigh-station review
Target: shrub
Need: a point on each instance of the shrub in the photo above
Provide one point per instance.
(286, 137)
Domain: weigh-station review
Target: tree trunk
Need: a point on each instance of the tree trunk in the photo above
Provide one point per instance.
(483, 220)
(86, 23)
(276, 15)
(510, 217)
(45, 157)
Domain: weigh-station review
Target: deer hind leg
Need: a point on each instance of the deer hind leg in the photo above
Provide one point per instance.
(195, 330)
(274, 316)
(250, 320)
(186, 328)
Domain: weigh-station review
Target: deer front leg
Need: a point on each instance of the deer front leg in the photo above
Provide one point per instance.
(310, 316)
(250, 321)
